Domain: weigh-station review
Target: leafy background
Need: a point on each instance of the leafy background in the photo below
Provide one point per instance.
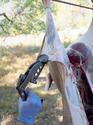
(29, 16)
(20, 43)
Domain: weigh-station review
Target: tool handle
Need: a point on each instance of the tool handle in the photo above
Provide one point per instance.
(24, 96)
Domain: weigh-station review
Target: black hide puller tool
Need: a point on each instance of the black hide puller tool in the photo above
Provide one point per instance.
(31, 74)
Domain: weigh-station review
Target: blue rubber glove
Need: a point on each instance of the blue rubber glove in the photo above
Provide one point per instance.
(29, 108)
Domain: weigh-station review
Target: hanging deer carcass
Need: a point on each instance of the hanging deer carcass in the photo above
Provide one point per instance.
(61, 73)
(80, 54)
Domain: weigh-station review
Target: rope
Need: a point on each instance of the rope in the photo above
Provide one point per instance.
(73, 4)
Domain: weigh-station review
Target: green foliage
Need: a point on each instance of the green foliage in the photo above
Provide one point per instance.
(65, 44)
(29, 16)
(4, 1)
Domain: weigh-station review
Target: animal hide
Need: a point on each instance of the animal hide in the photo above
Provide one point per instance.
(59, 66)
(80, 54)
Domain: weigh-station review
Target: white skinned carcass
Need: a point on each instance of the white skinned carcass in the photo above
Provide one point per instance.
(80, 54)
(60, 71)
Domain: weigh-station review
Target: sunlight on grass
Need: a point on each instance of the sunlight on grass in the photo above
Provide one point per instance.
(60, 118)
(6, 120)
(12, 65)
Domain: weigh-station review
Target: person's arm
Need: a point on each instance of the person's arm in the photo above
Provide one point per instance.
(28, 109)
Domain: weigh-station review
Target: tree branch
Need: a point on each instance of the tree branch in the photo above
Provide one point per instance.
(17, 14)
(3, 29)
(11, 21)
(4, 14)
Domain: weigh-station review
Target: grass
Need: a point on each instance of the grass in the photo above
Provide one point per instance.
(14, 62)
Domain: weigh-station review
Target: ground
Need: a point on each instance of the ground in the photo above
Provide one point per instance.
(13, 62)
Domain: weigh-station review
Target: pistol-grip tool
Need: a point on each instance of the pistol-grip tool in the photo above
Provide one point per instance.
(31, 74)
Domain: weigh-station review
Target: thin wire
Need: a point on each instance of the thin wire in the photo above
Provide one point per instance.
(73, 4)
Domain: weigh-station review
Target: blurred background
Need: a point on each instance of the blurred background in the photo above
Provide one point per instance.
(22, 28)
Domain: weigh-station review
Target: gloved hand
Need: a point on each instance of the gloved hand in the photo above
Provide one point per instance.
(29, 108)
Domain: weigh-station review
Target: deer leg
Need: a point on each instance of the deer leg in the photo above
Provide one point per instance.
(48, 81)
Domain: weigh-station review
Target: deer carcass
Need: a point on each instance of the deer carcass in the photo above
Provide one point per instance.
(80, 54)
(61, 73)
